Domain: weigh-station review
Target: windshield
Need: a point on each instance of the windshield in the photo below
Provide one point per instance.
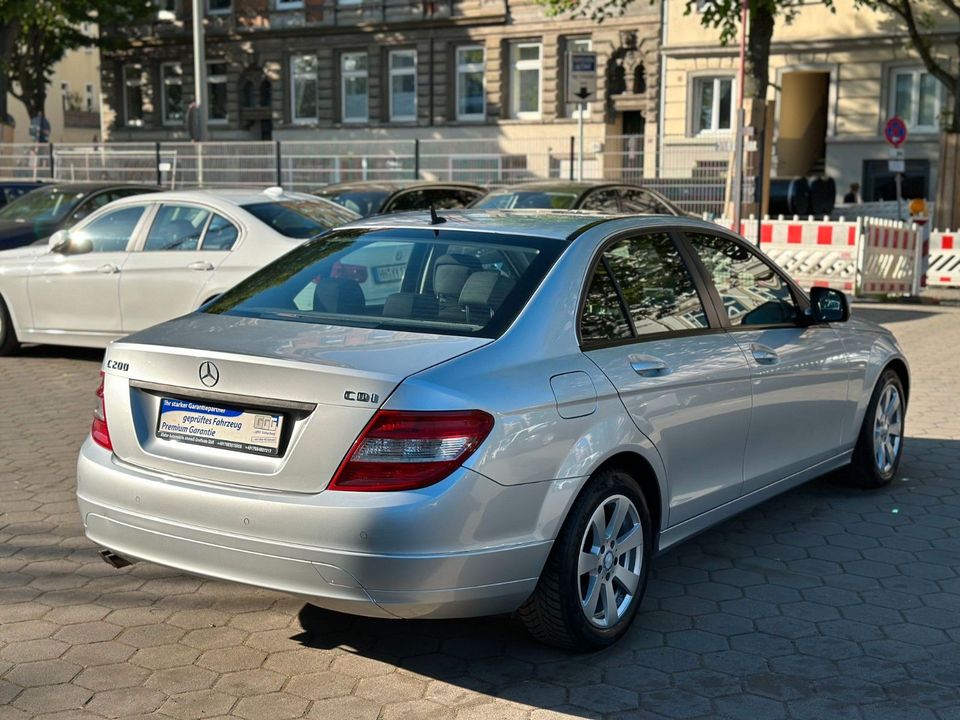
(414, 280)
(42, 205)
(529, 199)
(300, 219)
(364, 202)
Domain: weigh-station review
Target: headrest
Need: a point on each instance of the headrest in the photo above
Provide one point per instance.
(413, 306)
(339, 295)
(486, 289)
(451, 272)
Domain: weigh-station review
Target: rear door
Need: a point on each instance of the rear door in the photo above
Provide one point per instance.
(165, 277)
(799, 371)
(80, 292)
(686, 383)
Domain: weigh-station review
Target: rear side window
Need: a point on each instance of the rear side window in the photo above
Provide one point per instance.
(416, 280)
(655, 288)
(603, 316)
(642, 202)
(177, 227)
(221, 234)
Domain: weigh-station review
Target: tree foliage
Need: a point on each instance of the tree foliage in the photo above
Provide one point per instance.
(36, 34)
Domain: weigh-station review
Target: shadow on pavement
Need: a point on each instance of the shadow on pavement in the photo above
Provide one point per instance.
(824, 598)
(61, 352)
(886, 315)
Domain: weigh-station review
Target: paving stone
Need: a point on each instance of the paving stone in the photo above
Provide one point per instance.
(197, 704)
(272, 705)
(126, 702)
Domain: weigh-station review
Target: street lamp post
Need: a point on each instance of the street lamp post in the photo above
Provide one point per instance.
(199, 70)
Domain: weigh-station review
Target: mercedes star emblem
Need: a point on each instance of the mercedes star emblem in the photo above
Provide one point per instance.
(209, 374)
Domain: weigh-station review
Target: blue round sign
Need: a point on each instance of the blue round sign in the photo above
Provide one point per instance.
(895, 131)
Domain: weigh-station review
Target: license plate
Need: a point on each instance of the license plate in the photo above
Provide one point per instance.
(388, 273)
(220, 427)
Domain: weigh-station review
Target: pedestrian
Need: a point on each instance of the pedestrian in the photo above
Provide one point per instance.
(853, 194)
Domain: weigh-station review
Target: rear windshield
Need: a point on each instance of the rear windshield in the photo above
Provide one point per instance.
(450, 283)
(363, 202)
(527, 199)
(300, 219)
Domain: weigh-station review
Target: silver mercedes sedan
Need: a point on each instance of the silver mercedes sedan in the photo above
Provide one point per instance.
(482, 412)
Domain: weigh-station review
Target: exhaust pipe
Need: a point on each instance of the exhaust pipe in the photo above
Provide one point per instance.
(114, 560)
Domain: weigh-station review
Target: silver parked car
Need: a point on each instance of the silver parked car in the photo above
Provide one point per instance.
(481, 413)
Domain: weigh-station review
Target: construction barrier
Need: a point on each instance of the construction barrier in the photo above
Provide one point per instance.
(864, 256)
(943, 259)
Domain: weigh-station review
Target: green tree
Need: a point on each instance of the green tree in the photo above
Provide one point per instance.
(36, 34)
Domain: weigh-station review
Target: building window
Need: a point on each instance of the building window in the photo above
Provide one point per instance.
(471, 95)
(713, 104)
(88, 97)
(219, 7)
(217, 92)
(132, 96)
(303, 74)
(289, 4)
(915, 96)
(403, 85)
(572, 110)
(525, 78)
(353, 87)
(171, 75)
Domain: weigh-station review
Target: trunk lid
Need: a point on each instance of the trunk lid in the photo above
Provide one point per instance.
(324, 381)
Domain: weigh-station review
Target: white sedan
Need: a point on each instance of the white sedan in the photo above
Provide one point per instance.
(150, 258)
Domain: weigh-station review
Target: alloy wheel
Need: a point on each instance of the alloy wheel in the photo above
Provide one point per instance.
(611, 561)
(887, 429)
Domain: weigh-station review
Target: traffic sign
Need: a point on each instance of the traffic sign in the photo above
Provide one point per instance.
(581, 77)
(895, 131)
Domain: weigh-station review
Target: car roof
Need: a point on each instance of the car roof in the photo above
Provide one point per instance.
(233, 196)
(394, 185)
(87, 187)
(563, 225)
(573, 186)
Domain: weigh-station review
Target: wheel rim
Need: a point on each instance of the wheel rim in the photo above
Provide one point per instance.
(611, 561)
(887, 429)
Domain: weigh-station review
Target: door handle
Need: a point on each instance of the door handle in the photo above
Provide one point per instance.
(764, 355)
(108, 269)
(200, 265)
(648, 366)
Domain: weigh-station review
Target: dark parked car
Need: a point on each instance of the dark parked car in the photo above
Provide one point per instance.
(382, 197)
(594, 196)
(10, 190)
(35, 216)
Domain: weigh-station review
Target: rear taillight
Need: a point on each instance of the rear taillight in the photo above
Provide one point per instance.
(405, 450)
(98, 430)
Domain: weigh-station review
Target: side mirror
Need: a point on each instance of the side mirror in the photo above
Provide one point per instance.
(828, 305)
(79, 245)
(58, 242)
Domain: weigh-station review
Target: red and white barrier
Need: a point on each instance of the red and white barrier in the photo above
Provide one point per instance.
(889, 260)
(943, 259)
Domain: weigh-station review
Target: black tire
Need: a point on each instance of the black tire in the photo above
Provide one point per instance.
(9, 344)
(865, 470)
(554, 614)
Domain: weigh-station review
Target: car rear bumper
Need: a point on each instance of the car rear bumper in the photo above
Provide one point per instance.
(257, 538)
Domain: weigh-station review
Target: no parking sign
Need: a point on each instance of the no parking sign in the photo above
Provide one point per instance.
(895, 131)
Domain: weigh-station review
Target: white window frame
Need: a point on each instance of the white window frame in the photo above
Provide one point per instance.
(288, 4)
(163, 94)
(344, 75)
(573, 109)
(219, 11)
(462, 69)
(127, 121)
(915, 71)
(293, 92)
(401, 72)
(217, 79)
(516, 66)
(715, 128)
(89, 97)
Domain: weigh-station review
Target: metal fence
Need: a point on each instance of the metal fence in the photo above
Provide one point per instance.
(694, 174)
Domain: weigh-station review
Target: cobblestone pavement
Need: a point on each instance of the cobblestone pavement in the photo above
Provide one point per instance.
(827, 602)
